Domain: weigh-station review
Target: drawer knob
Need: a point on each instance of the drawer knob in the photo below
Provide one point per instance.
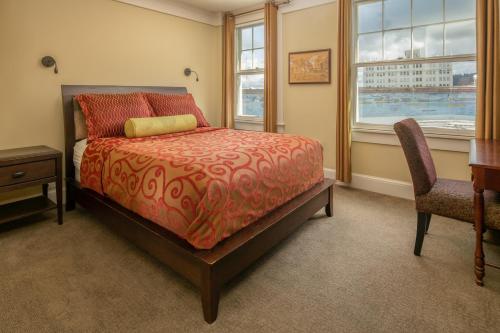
(18, 174)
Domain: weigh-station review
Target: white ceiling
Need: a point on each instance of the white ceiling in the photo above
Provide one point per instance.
(221, 5)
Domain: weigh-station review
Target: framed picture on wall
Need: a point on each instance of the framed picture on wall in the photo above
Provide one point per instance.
(309, 67)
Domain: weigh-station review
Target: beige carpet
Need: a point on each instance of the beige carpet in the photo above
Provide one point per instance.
(355, 272)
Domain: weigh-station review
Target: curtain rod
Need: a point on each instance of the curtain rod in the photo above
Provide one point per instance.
(248, 12)
(276, 3)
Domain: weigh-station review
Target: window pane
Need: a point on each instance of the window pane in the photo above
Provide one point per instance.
(460, 9)
(460, 38)
(258, 58)
(436, 94)
(427, 12)
(397, 14)
(246, 60)
(370, 47)
(428, 41)
(369, 17)
(246, 38)
(397, 44)
(258, 36)
(251, 95)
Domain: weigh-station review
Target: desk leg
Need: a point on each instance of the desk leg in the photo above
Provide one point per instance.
(479, 220)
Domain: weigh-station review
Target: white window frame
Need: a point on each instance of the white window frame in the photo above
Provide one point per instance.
(376, 133)
(237, 73)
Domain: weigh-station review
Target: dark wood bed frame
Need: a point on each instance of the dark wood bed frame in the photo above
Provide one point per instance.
(210, 269)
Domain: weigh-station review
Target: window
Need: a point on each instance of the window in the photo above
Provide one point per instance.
(250, 72)
(415, 58)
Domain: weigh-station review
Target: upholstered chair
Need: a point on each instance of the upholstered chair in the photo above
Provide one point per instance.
(443, 197)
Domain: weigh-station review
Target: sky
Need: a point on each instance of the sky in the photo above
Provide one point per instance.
(440, 27)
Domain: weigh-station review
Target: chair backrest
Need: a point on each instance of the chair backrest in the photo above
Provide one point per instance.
(418, 155)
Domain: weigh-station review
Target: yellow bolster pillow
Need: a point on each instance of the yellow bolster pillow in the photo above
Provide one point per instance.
(139, 127)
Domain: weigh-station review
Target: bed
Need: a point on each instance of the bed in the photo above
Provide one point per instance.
(208, 260)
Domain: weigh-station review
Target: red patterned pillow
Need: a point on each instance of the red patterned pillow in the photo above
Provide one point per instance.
(174, 105)
(106, 114)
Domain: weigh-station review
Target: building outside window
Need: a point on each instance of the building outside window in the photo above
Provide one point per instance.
(250, 72)
(415, 58)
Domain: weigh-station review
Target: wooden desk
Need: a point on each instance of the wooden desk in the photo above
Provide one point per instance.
(485, 163)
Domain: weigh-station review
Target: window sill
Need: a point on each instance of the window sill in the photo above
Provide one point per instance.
(249, 119)
(254, 124)
(436, 141)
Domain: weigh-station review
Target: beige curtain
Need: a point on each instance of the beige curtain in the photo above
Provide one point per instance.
(343, 166)
(228, 72)
(488, 70)
(271, 68)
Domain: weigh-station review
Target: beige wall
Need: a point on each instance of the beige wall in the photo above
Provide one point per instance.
(310, 109)
(389, 162)
(107, 42)
(95, 42)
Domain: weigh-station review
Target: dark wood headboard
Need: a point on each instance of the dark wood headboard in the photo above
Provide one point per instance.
(69, 91)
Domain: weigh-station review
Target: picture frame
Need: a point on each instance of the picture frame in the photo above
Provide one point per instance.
(310, 67)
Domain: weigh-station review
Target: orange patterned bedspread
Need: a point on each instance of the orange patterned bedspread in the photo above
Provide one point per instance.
(203, 185)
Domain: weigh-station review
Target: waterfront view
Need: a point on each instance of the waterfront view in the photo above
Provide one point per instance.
(452, 109)
(251, 95)
(436, 94)
(253, 102)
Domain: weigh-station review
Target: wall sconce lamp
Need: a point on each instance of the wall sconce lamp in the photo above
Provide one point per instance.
(188, 71)
(48, 62)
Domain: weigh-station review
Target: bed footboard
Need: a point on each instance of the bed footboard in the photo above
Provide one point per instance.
(209, 270)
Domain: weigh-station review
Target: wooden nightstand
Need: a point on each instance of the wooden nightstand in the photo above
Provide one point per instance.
(30, 166)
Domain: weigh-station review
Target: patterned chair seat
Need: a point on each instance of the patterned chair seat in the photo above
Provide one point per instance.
(455, 199)
(433, 195)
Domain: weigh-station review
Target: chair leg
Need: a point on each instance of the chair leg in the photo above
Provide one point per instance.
(429, 216)
(421, 225)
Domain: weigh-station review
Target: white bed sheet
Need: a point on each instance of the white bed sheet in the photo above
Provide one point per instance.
(78, 151)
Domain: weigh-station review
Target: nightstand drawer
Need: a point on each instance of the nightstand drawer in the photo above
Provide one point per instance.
(21, 173)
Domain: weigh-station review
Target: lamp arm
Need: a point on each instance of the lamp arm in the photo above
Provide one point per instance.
(188, 71)
(197, 79)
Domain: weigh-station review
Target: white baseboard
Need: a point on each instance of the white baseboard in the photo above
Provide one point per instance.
(391, 187)
(329, 173)
(394, 188)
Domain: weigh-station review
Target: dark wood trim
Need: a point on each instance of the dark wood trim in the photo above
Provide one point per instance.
(27, 184)
(484, 160)
(210, 269)
(312, 51)
(484, 154)
(26, 155)
(329, 206)
(421, 227)
(24, 208)
(27, 167)
(428, 225)
(479, 270)
(59, 189)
